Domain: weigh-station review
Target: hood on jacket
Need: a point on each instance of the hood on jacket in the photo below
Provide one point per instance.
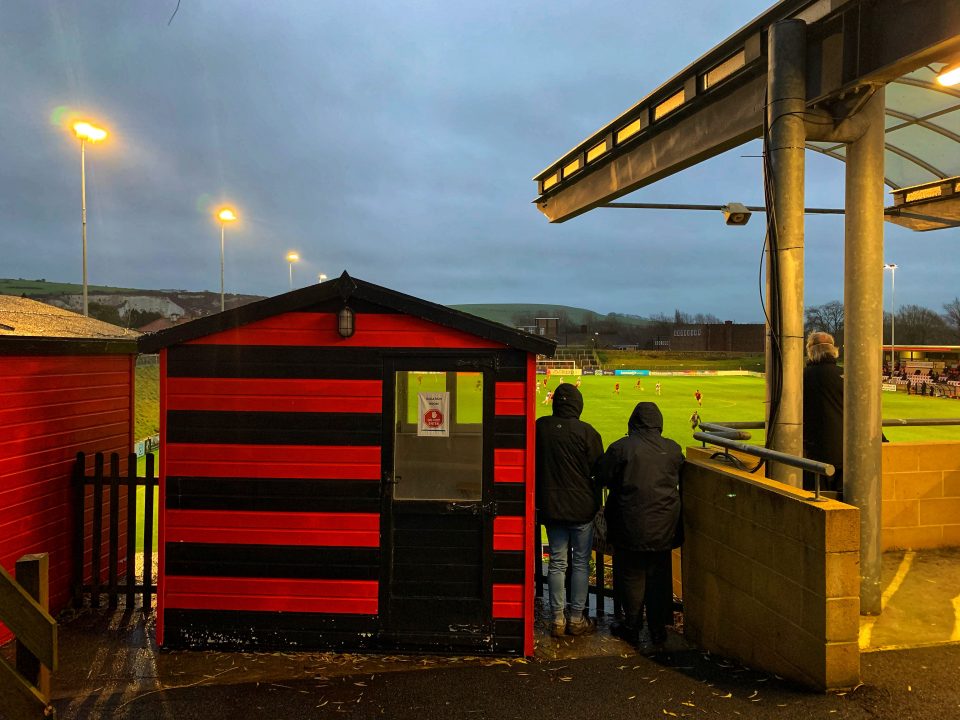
(567, 401)
(646, 416)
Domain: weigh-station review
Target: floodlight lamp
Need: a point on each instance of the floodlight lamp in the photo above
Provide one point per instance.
(735, 214)
(950, 75)
(87, 131)
(293, 257)
(226, 215)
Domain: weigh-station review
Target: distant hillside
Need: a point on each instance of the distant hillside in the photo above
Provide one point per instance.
(114, 304)
(524, 314)
(127, 307)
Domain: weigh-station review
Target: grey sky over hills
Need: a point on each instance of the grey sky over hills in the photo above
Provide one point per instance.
(394, 140)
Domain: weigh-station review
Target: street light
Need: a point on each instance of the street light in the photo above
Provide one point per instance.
(292, 257)
(321, 277)
(226, 215)
(87, 132)
(892, 267)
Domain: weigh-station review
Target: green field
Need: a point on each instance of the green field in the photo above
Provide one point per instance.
(20, 286)
(726, 399)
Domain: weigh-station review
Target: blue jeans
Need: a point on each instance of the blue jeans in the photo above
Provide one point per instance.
(580, 539)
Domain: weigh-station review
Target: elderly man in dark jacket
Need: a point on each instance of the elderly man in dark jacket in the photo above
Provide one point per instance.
(567, 500)
(823, 410)
(642, 471)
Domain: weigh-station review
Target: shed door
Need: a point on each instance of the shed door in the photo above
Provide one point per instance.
(437, 517)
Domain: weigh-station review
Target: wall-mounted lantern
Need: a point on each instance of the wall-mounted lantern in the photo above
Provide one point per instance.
(345, 322)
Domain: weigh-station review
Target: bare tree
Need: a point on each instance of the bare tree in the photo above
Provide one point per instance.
(952, 316)
(827, 318)
(706, 319)
(917, 325)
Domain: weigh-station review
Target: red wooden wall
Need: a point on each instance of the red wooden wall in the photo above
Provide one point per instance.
(271, 452)
(52, 407)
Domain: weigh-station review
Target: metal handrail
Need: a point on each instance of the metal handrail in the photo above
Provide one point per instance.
(818, 468)
(888, 422)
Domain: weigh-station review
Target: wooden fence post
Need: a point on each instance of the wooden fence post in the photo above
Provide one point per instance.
(32, 573)
(79, 500)
(97, 542)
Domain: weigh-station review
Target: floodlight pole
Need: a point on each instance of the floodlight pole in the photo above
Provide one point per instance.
(83, 218)
(786, 91)
(862, 339)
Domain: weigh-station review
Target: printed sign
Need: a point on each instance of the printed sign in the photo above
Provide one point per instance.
(888, 387)
(632, 372)
(433, 419)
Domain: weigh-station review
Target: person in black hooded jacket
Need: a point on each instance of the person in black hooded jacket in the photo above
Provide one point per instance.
(642, 471)
(567, 450)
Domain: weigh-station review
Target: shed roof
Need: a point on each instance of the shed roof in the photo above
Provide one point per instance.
(32, 327)
(347, 288)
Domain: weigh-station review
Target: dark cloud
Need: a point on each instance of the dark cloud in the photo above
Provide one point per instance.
(396, 140)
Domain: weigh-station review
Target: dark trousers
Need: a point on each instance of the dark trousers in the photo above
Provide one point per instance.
(645, 579)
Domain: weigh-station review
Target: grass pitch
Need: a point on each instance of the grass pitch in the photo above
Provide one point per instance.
(724, 399)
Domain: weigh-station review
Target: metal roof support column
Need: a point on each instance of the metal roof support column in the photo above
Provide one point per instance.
(786, 104)
(863, 331)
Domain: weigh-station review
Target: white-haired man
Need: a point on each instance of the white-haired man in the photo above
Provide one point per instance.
(823, 410)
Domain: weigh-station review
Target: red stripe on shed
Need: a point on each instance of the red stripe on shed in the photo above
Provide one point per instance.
(508, 532)
(508, 601)
(508, 465)
(274, 528)
(272, 594)
(269, 395)
(273, 461)
(372, 330)
(510, 398)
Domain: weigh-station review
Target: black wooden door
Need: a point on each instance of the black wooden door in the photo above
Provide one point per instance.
(437, 520)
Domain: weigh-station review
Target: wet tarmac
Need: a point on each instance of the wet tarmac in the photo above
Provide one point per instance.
(111, 668)
(921, 601)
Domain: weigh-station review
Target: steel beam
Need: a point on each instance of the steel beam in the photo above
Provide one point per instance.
(863, 333)
(850, 43)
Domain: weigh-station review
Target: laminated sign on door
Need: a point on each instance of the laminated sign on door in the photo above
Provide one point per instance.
(434, 416)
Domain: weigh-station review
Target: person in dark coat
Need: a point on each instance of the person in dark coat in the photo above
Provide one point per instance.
(823, 410)
(642, 471)
(567, 450)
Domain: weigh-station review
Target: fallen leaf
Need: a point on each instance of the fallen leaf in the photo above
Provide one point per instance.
(667, 712)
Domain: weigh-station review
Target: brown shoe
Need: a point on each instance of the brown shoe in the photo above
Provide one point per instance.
(558, 630)
(586, 626)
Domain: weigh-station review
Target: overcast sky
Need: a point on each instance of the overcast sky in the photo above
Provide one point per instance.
(396, 140)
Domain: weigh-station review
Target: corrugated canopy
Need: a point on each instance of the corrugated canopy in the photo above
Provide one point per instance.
(923, 148)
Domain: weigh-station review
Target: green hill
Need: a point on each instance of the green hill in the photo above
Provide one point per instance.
(29, 288)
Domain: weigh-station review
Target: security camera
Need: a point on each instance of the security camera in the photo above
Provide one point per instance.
(735, 214)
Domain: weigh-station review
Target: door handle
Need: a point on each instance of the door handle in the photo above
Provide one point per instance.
(387, 483)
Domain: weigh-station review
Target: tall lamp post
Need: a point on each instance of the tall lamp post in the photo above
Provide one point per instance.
(322, 277)
(87, 133)
(226, 215)
(892, 267)
(292, 257)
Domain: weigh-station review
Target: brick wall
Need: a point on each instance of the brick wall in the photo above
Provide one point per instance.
(770, 578)
(921, 495)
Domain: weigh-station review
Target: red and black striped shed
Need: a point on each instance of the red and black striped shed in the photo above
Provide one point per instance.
(346, 466)
(66, 386)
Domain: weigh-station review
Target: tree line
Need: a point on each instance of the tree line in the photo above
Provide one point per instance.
(913, 324)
